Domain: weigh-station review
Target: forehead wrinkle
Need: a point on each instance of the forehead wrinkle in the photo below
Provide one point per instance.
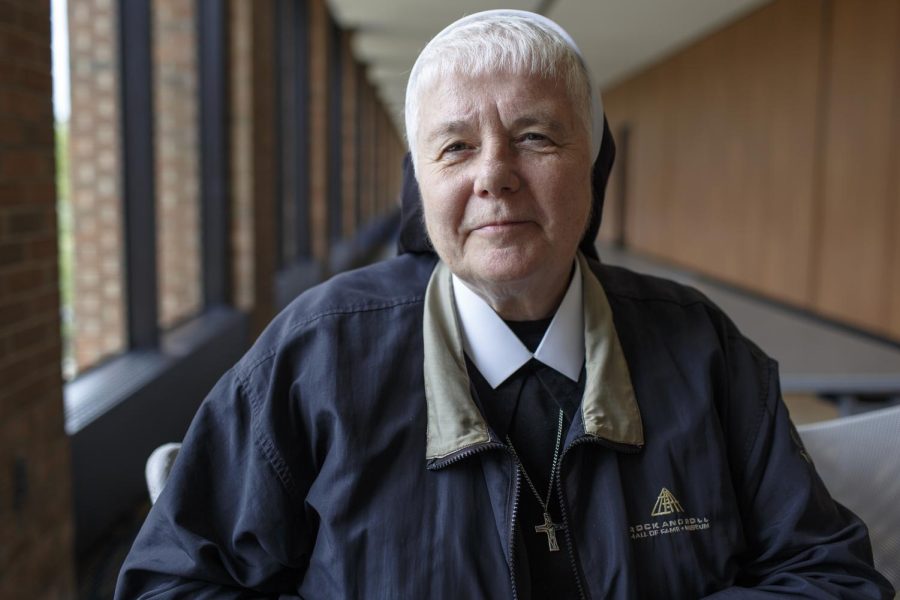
(465, 107)
(458, 126)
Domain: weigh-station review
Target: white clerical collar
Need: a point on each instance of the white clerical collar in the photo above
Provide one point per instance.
(498, 353)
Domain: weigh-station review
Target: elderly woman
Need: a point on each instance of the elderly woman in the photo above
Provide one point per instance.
(506, 417)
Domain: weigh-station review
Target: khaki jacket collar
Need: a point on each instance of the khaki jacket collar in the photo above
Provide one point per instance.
(609, 409)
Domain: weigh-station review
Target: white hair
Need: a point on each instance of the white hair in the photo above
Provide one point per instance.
(506, 41)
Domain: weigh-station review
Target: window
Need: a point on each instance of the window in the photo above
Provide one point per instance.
(177, 163)
(90, 194)
(143, 219)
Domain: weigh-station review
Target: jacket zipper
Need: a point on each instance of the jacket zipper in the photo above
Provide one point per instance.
(584, 439)
(515, 508)
(512, 532)
(463, 454)
(573, 563)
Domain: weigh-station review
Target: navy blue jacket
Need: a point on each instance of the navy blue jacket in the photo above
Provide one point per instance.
(304, 473)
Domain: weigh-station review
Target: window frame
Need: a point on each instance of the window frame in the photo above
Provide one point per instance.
(118, 411)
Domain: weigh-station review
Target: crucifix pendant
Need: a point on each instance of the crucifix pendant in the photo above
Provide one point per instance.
(549, 528)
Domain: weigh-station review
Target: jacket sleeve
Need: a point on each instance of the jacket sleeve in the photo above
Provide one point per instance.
(802, 543)
(229, 522)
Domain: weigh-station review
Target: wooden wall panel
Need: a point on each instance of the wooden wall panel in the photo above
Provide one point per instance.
(722, 151)
(894, 272)
(855, 275)
(646, 207)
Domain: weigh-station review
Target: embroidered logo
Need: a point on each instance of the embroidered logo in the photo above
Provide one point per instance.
(666, 504)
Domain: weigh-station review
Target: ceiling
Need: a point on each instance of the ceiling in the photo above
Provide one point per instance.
(617, 37)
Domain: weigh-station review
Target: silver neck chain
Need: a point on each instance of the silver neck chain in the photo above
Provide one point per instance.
(544, 503)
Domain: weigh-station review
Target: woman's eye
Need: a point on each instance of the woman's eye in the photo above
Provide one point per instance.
(455, 147)
(534, 138)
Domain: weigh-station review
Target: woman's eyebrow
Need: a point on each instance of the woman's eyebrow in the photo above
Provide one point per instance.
(460, 126)
(446, 129)
(542, 119)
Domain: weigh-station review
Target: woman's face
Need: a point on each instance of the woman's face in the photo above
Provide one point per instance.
(504, 169)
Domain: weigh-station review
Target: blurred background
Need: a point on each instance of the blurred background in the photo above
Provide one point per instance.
(174, 172)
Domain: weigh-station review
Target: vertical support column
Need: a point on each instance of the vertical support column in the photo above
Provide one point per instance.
(318, 130)
(335, 144)
(213, 103)
(36, 526)
(301, 26)
(136, 82)
(252, 165)
(349, 145)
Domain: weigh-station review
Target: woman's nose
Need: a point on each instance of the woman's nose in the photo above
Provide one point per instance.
(496, 172)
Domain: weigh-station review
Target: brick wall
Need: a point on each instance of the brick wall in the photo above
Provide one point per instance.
(348, 132)
(35, 496)
(319, 33)
(253, 157)
(177, 160)
(241, 159)
(94, 183)
(95, 168)
(367, 201)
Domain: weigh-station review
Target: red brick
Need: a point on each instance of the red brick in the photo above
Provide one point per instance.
(10, 312)
(17, 308)
(34, 79)
(9, 13)
(41, 135)
(26, 164)
(36, 23)
(35, 544)
(19, 46)
(48, 419)
(31, 219)
(14, 193)
(12, 131)
(11, 254)
(26, 105)
(20, 369)
(40, 249)
(23, 280)
(37, 335)
(45, 303)
(18, 394)
(49, 463)
(14, 74)
(10, 193)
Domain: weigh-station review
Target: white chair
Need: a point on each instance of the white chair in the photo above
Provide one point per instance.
(158, 467)
(858, 458)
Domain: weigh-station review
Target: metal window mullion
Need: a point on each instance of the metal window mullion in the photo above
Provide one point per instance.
(138, 194)
(334, 136)
(278, 133)
(212, 49)
(358, 141)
